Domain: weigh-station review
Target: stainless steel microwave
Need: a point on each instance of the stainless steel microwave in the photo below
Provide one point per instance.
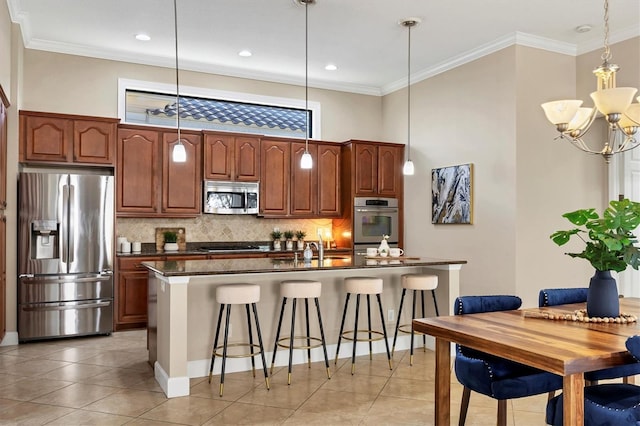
(231, 197)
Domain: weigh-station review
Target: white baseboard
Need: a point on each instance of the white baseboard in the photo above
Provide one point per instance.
(172, 387)
(10, 339)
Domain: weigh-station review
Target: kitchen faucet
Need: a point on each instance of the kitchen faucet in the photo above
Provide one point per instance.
(320, 247)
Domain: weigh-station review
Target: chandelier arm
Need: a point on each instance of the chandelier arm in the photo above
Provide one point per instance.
(582, 146)
(633, 144)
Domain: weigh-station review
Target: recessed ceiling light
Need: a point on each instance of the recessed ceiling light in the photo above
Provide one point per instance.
(583, 28)
(245, 53)
(331, 67)
(143, 37)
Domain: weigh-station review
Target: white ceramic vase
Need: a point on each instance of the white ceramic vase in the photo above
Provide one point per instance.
(170, 246)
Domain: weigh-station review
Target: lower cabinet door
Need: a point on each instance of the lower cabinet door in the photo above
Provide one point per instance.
(131, 300)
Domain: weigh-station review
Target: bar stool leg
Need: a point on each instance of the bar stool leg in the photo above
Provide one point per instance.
(413, 315)
(395, 335)
(324, 345)
(435, 302)
(224, 348)
(253, 361)
(306, 313)
(424, 338)
(275, 345)
(293, 328)
(344, 315)
(355, 336)
(215, 342)
(264, 362)
(370, 337)
(384, 331)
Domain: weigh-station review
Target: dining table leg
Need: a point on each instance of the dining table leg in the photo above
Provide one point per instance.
(573, 399)
(443, 382)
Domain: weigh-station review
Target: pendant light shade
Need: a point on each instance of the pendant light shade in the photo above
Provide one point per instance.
(306, 162)
(179, 154)
(408, 169)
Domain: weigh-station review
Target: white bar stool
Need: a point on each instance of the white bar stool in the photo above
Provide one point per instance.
(415, 282)
(238, 294)
(300, 289)
(358, 286)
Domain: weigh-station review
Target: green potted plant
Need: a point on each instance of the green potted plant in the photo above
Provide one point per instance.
(170, 241)
(275, 237)
(609, 246)
(300, 234)
(288, 236)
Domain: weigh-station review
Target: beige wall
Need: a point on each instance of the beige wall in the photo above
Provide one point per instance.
(5, 50)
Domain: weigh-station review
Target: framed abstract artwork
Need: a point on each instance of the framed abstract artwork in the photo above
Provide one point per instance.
(451, 194)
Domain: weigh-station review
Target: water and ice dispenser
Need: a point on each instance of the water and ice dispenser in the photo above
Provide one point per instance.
(44, 239)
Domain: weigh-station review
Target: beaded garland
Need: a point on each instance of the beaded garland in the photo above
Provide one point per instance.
(581, 315)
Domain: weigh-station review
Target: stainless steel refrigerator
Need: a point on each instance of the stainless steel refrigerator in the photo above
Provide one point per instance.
(65, 255)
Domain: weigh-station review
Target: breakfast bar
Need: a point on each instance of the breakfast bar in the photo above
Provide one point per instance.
(182, 305)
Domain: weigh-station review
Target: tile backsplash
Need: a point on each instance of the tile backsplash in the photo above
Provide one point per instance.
(223, 228)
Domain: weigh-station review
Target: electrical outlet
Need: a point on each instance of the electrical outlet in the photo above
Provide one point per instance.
(276, 229)
(390, 315)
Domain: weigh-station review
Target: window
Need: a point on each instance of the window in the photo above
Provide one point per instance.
(154, 104)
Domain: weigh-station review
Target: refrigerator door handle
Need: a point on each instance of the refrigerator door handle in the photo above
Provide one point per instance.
(65, 221)
(106, 272)
(72, 208)
(95, 278)
(66, 307)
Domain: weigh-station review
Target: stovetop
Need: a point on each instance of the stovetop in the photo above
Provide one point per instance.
(229, 247)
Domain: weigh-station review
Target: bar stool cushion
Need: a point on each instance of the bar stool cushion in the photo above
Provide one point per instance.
(238, 294)
(363, 285)
(419, 281)
(300, 288)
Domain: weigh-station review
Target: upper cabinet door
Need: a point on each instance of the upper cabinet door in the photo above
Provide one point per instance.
(304, 182)
(181, 182)
(137, 172)
(45, 138)
(275, 160)
(329, 189)
(389, 166)
(247, 159)
(94, 142)
(218, 156)
(3, 155)
(366, 169)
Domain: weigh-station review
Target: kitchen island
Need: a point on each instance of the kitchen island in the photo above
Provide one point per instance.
(183, 310)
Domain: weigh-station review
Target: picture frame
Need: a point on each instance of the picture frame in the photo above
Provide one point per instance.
(452, 194)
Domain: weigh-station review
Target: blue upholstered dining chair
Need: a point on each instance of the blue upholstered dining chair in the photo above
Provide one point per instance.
(493, 376)
(609, 404)
(563, 296)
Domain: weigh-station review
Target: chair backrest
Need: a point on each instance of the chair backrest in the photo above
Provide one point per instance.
(477, 304)
(561, 296)
(633, 346)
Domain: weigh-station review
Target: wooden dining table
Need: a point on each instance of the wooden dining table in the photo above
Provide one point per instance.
(564, 347)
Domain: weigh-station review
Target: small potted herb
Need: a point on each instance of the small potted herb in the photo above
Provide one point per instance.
(276, 236)
(288, 236)
(300, 237)
(170, 241)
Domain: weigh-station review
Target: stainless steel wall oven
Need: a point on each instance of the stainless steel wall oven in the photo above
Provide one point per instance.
(373, 218)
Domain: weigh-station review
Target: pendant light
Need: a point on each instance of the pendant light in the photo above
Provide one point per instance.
(179, 154)
(306, 162)
(408, 168)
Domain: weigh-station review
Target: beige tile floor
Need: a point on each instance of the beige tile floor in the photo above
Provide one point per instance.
(107, 381)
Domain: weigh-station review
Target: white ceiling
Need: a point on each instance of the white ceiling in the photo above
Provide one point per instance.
(362, 37)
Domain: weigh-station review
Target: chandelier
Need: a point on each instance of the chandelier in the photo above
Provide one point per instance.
(615, 103)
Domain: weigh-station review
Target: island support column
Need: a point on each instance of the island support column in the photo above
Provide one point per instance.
(171, 365)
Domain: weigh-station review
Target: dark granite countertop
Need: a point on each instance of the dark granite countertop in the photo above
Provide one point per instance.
(262, 265)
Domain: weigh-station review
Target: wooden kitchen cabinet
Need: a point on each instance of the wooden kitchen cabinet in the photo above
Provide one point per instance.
(275, 161)
(316, 191)
(377, 169)
(60, 138)
(131, 293)
(149, 184)
(231, 157)
(181, 182)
